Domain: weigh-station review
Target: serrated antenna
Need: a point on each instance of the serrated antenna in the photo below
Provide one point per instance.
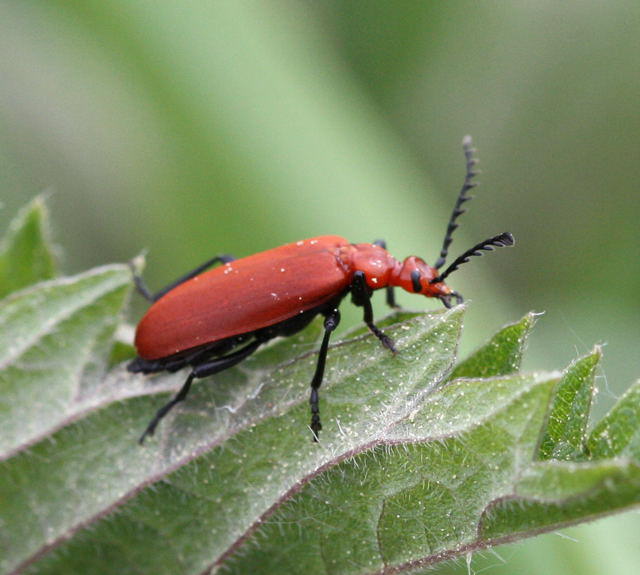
(467, 146)
(500, 241)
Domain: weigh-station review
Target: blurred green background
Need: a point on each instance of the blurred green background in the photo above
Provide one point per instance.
(198, 128)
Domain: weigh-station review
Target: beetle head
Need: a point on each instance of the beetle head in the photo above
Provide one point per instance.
(416, 276)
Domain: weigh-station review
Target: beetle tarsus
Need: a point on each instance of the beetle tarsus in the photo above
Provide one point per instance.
(147, 432)
(180, 396)
(315, 425)
(388, 343)
(141, 286)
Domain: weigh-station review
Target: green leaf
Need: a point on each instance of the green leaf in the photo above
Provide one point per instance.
(415, 498)
(555, 494)
(455, 484)
(618, 434)
(123, 348)
(26, 255)
(239, 445)
(501, 355)
(54, 340)
(566, 431)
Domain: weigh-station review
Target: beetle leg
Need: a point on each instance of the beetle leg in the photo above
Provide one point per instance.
(391, 297)
(201, 370)
(363, 297)
(143, 290)
(140, 365)
(390, 290)
(330, 323)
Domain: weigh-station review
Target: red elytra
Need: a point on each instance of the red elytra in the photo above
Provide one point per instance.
(212, 320)
(268, 288)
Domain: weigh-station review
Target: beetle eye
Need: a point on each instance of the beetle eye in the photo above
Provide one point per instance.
(415, 281)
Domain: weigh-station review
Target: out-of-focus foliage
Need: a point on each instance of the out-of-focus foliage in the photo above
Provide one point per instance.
(198, 128)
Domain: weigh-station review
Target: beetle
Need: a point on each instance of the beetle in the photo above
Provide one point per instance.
(211, 320)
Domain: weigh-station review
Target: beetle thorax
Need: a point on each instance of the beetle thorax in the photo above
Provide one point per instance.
(376, 263)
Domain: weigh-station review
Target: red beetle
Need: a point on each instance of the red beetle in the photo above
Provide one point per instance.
(212, 320)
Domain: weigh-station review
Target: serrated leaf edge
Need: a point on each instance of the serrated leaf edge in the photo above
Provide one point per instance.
(378, 442)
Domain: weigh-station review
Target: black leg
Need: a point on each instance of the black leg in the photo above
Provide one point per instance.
(330, 323)
(140, 365)
(202, 370)
(391, 298)
(362, 296)
(390, 290)
(143, 290)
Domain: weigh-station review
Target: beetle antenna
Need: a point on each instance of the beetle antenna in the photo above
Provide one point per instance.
(467, 146)
(500, 241)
